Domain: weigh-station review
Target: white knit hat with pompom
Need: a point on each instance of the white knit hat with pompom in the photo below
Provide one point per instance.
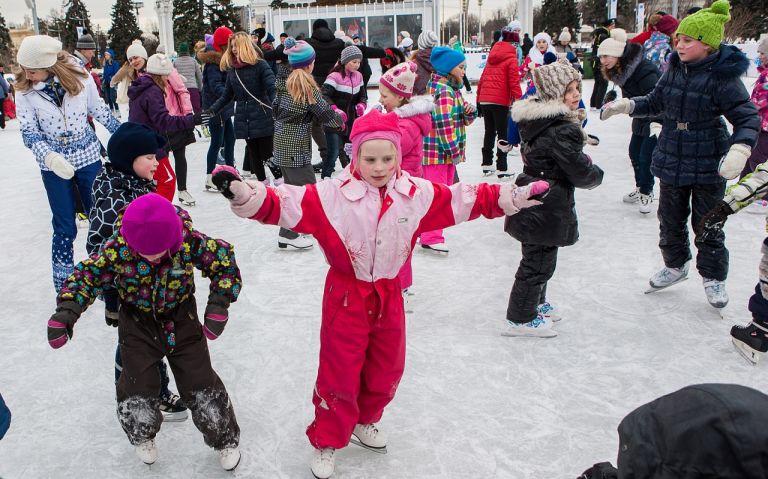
(614, 46)
(38, 51)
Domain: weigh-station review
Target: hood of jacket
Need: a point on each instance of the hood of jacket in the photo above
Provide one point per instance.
(534, 116)
(630, 59)
(415, 111)
(211, 57)
(140, 85)
(422, 58)
(726, 63)
(502, 52)
(323, 35)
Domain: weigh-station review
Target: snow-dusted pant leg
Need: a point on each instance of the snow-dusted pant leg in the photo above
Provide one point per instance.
(536, 268)
(442, 174)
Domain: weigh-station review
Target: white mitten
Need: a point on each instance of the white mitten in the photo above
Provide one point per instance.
(734, 161)
(59, 165)
(655, 129)
(622, 106)
(514, 198)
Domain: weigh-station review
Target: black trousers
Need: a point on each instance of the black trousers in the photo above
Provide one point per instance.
(318, 136)
(495, 118)
(304, 175)
(2, 113)
(257, 154)
(180, 165)
(676, 204)
(144, 342)
(601, 87)
(530, 289)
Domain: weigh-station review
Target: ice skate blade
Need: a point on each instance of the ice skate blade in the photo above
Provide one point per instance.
(379, 450)
(653, 289)
(436, 251)
(543, 335)
(186, 203)
(175, 416)
(746, 352)
(291, 247)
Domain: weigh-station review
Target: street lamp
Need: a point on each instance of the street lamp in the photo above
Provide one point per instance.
(31, 4)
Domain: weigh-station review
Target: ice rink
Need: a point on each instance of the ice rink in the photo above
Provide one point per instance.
(472, 403)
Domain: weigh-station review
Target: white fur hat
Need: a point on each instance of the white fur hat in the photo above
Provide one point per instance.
(159, 64)
(38, 51)
(136, 50)
(515, 25)
(542, 36)
(614, 46)
(565, 35)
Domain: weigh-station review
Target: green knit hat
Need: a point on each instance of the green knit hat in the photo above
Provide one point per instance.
(707, 24)
(183, 48)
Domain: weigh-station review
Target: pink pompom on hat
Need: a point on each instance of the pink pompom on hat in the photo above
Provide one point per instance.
(151, 225)
(375, 126)
(400, 79)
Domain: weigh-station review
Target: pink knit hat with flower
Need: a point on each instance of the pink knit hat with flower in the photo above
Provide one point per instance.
(400, 79)
(375, 126)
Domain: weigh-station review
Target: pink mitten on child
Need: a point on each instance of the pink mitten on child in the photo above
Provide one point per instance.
(360, 109)
(514, 198)
(245, 198)
(343, 116)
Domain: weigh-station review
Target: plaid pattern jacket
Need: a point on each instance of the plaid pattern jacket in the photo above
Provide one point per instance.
(446, 142)
(293, 123)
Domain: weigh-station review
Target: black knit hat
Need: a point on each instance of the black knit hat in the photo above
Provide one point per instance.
(319, 23)
(130, 141)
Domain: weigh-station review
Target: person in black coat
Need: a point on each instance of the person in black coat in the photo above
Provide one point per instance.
(625, 65)
(551, 144)
(527, 44)
(368, 52)
(221, 128)
(601, 84)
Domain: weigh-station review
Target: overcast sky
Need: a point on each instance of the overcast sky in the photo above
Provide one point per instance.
(100, 10)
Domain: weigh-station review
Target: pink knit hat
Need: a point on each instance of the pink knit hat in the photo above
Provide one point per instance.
(151, 225)
(400, 79)
(375, 126)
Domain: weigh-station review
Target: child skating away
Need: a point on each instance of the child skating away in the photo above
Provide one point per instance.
(444, 146)
(128, 175)
(151, 262)
(695, 153)
(552, 142)
(366, 220)
(345, 92)
(297, 103)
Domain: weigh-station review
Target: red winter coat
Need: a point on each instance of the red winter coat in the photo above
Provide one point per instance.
(642, 37)
(500, 81)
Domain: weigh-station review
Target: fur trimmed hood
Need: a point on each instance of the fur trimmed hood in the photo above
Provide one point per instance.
(416, 106)
(537, 115)
(629, 61)
(726, 63)
(210, 57)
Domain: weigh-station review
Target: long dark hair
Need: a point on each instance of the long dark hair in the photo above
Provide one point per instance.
(339, 68)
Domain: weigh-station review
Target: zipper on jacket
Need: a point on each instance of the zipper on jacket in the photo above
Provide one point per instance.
(680, 134)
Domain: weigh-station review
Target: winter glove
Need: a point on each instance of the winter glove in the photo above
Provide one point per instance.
(348, 149)
(343, 116)
(610, 96)
(734, 161)
(469, 108)
(111, 307)
(216, 316)
(245, 198)
(61, 323)
(222, 177)
(712, 222)
(514, 198)
(602, 470)
(504, 146)
(623, 106)
(581, 113)
(59, 165)
(479, 111)
(360, 109)
(203, 117)
(655, 129)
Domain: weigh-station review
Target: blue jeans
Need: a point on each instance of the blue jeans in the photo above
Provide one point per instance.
(110, 96)
(333, 141)
(222, 134)
(61, 199)
(640, 152)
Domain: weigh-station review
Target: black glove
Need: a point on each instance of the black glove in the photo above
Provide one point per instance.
(479, 110)
(203, 117)
(111, 317)
(602, 470)
(610, 96)
(712, 222)
(111, 307)
(222, 178)
(61, 324)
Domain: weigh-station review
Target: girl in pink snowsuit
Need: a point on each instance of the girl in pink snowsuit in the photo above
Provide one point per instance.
(366, 220)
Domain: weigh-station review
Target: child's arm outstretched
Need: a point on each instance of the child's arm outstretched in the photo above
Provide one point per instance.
(325, 113)
(651, 104)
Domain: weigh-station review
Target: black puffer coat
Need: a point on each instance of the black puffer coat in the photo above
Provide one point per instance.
(552, 142)
(638, 77)
(327, 50)
(253, 93)
(214, 81)
(691, 98)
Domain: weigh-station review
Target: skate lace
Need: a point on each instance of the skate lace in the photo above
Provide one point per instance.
(715, 287)
(370, 430)
(326, 455)
(545, 308)
(537, 322)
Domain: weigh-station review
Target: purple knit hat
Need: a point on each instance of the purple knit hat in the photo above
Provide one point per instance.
(151, 225)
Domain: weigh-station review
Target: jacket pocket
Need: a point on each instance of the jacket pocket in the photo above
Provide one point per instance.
(335, 298)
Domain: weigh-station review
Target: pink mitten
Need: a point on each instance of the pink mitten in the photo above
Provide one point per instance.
(343, 116)
(514, 198)
(360, 109)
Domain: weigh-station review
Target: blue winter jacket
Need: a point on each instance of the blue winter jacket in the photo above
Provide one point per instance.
(5, 417)
(213, 83)
(110, 68)
(253, 89)
(691, 99)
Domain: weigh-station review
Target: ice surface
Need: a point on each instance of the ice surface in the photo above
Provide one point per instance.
(472, 404)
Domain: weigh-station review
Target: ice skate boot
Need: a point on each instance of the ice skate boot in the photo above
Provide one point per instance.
(751, 341)
(147, 452)
(301, 242)
(82, 220)
(505, 175)
(632, 197)
(488, 170)
(540, 327)
(548, 311)
(406, 302)
(439, 248)
(185, 198)
(229, 458)
(715, 291)
(667, 277)
(369, 437)
(646, 202)
(324, 462)
(173, 409)
(209, 186)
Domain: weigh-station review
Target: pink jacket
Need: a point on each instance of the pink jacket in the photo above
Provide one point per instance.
(177, 96)
(415, 123)
(760, 96)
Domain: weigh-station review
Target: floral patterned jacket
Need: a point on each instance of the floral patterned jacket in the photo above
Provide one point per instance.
(160, 288)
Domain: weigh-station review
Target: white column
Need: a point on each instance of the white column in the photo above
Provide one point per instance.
(164, 9)
(525, 15)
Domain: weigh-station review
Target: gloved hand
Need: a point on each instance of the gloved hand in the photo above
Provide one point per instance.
(111, 307)
(360, 109)
(59, 165)
(504, 146)
(623, 106)
(245, 198)
(222, 177)
(203, 117)
(479, 111)
(348, 149)
(216, 316)
(655, 129)
(514, 198)
(592, 140)
(111, 318)
(343, 116)
(734, 161)
(469, 108)
(61, 324)
(581, 113)
(712, 222)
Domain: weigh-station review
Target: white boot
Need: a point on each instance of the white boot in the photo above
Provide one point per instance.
(324, 462)
(147, 452)
(301, 242)
(209, 186)
(715, 291)
(185, 198)
(370, 436)
(632, 197)
(549, 311)
(540, 327)
(668, 276)
(229, 458)
(645, 203)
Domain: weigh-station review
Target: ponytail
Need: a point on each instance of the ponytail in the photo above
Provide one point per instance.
(301, 86)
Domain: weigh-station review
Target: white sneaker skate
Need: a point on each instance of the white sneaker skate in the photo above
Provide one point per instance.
(505, 176)
(147, 452)
(301, 242)
(82, 220)
(229, 458)
(549, 311)
(759, 207)
(645, 203)
(632, 197)
(667, 277)
(715, 291)
(209, 186)
(436, 248)
(324, 462)
(185, 198)
(540, 327)
(369, 437)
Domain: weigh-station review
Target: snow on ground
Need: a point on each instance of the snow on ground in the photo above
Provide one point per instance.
(472, 404)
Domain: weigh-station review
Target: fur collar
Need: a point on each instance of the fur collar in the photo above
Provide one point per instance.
(630, 60)
(211, 57)
(416, 106)
(535, 109)
(725, 64)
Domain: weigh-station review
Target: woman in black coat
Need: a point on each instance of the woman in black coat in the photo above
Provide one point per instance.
(551, 146)
(636, 76)
(251, 83)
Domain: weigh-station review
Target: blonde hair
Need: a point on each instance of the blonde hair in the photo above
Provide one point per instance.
(247, 52)
(159, 81)
(301, 86)
(67, 69)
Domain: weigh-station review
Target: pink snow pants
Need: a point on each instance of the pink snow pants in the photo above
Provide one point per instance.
(362, 356)
(442, 174)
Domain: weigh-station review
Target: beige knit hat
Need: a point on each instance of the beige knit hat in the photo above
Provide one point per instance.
(159, 64)
(552, 80)
(38, 51)
(565, 35)
(136, 50)
(614, 46)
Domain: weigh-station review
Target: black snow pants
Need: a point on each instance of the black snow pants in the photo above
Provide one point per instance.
(495, 118)
(676, 204)
(530, 289)
(144, 341)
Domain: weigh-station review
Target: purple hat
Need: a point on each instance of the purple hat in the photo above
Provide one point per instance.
(151, 225)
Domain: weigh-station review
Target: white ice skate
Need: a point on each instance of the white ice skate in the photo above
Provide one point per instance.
(439, 248)
(646, 202)
(147, 452)
(549, 311)
(540, 327)
(667, 277)
(185, 198)
(301, 242)
(369, 437)
(406, 301)
(715, 291)
(323, 463)
(632, 197)
(229, 458)
(209, 186)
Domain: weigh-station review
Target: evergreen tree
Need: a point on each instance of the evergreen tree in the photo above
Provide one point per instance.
(6, 46)
(188, 21)
(595, 12)
(556, 14)
(76, 16)
(125, 28)
(221, 13)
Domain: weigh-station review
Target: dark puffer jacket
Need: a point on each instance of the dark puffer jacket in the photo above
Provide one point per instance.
(253, 93)
(638, 77)
(327, 50)
(692, 98)
(552, 142)
(424, 71)
(214, 81)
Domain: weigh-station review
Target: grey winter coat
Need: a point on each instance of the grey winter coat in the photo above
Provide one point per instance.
(253, 89)
(190, 70)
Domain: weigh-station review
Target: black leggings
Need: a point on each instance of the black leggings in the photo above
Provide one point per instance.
(180, 162)
(258, 152)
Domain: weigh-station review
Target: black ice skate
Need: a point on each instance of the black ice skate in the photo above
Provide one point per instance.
(751, 341)
(173, 409)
